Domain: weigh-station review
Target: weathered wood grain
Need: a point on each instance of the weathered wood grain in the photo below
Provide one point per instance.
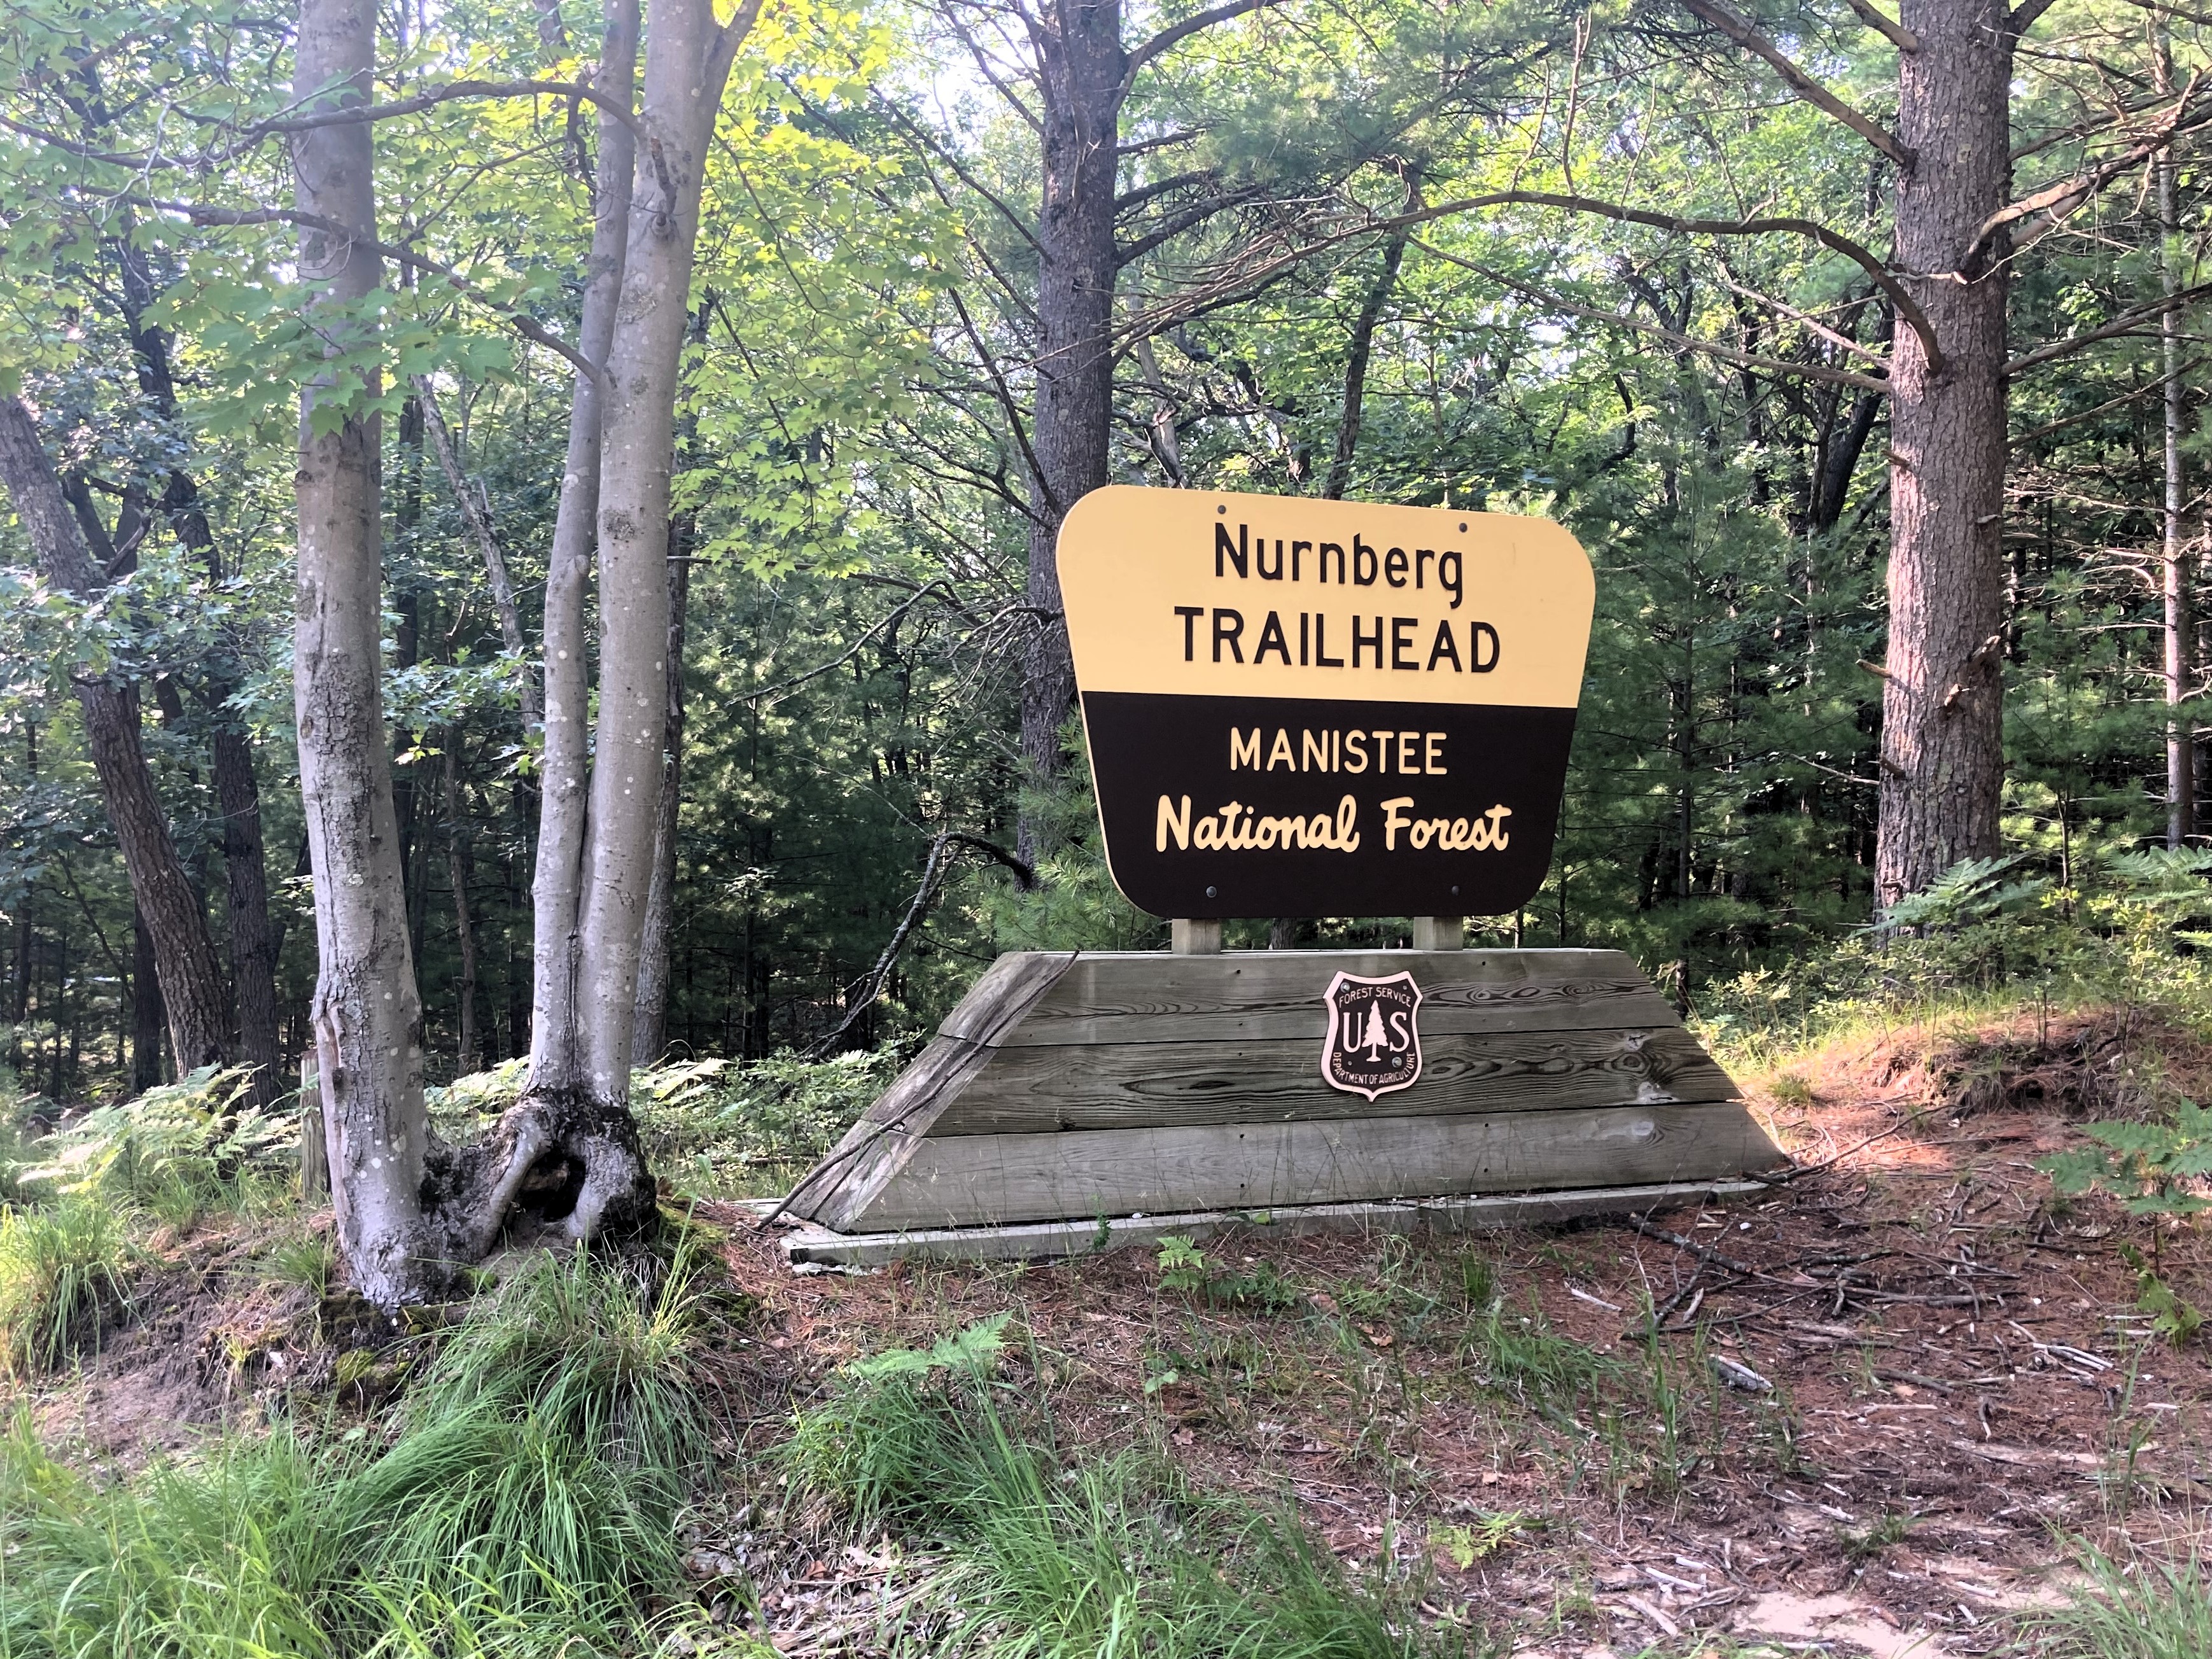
(1259, 995)
(1170, 1065)
(870, 1153)
(1033, 1240)
(868, 1156)
(989, 1180)
(1113, 1086)
(1008, 994)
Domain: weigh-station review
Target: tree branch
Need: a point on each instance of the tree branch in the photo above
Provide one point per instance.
(521, 322)
(1143, 193)
(1890, 30)
(346, 115)
(1711, 347)
(1006, 403)
(1175, 226)
(2057, 200)
(2111, 403)
(928, 142)
(349, 115)
(2125, 323)
(1025, 875)
(930, 874)
(478, 520)
(846, 656)
(2023, 16)
(1169, 38)
(1800, 83)
(1907, 307)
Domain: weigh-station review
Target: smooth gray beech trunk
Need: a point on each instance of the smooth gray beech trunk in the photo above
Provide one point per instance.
(565, 767)
(367, 1015)
(687, 59)
(408, 1206)
(1942, 757)
(600, 812)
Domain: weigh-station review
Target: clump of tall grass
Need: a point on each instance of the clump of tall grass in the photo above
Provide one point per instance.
(2136, 1609)
(1056, 1559)
(232, 1553)
(62, 1265)
(527, 1504)
(550, 1444)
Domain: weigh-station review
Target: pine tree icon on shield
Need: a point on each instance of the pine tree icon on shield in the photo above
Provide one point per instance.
(1374, 1043)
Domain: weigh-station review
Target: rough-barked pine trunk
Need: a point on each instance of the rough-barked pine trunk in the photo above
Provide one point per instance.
(2180, 623)
(1083, 74)
(1081, 65)
(195, 1002)
(146, 1017)
(1942, 750)
(251, 933)
(460, 868)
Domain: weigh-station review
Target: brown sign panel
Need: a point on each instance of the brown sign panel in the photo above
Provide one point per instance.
(1301, 707)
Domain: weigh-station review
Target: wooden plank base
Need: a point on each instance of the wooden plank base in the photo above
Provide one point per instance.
(1044, 1240)
(1068, 1085)
(990, 1180)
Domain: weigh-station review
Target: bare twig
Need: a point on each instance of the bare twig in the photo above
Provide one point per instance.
(478, 520)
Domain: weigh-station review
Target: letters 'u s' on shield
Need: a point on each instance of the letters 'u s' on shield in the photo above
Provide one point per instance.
(1303, 707)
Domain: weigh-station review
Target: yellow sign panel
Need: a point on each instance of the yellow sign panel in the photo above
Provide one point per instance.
(1187, 593)
(1313, 708)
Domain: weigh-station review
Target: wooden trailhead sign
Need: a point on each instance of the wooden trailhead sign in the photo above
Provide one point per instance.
(1072, 1100)
(1302, 707)
(1299, 708)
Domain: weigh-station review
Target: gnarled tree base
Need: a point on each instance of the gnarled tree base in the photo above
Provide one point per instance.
(558, 1165)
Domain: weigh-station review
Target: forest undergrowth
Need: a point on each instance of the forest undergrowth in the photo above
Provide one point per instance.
(215, 1449)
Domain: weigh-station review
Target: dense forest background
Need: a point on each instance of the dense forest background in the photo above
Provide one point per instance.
(1706, 412)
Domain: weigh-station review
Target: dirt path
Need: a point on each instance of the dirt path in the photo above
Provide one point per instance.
(1875, 1398)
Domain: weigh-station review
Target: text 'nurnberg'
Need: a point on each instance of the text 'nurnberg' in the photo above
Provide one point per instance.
(1394, 642)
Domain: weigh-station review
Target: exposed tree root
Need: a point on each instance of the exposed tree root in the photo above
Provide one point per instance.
(558, 1165)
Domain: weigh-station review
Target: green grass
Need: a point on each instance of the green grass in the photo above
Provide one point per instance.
(1058, 1558)
(548, 1448)
(1519, 1355)
(2139, 1607)
(232, 1553)
(527, 1506)
(61, 1265)
(307, 1259)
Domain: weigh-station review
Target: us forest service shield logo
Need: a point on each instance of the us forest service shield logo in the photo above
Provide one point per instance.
(1374, 1043)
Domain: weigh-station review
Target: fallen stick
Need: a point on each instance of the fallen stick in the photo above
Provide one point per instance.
(1739, 1375)
(1695, 1249)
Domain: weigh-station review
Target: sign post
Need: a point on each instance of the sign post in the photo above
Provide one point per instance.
(1300, 709)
